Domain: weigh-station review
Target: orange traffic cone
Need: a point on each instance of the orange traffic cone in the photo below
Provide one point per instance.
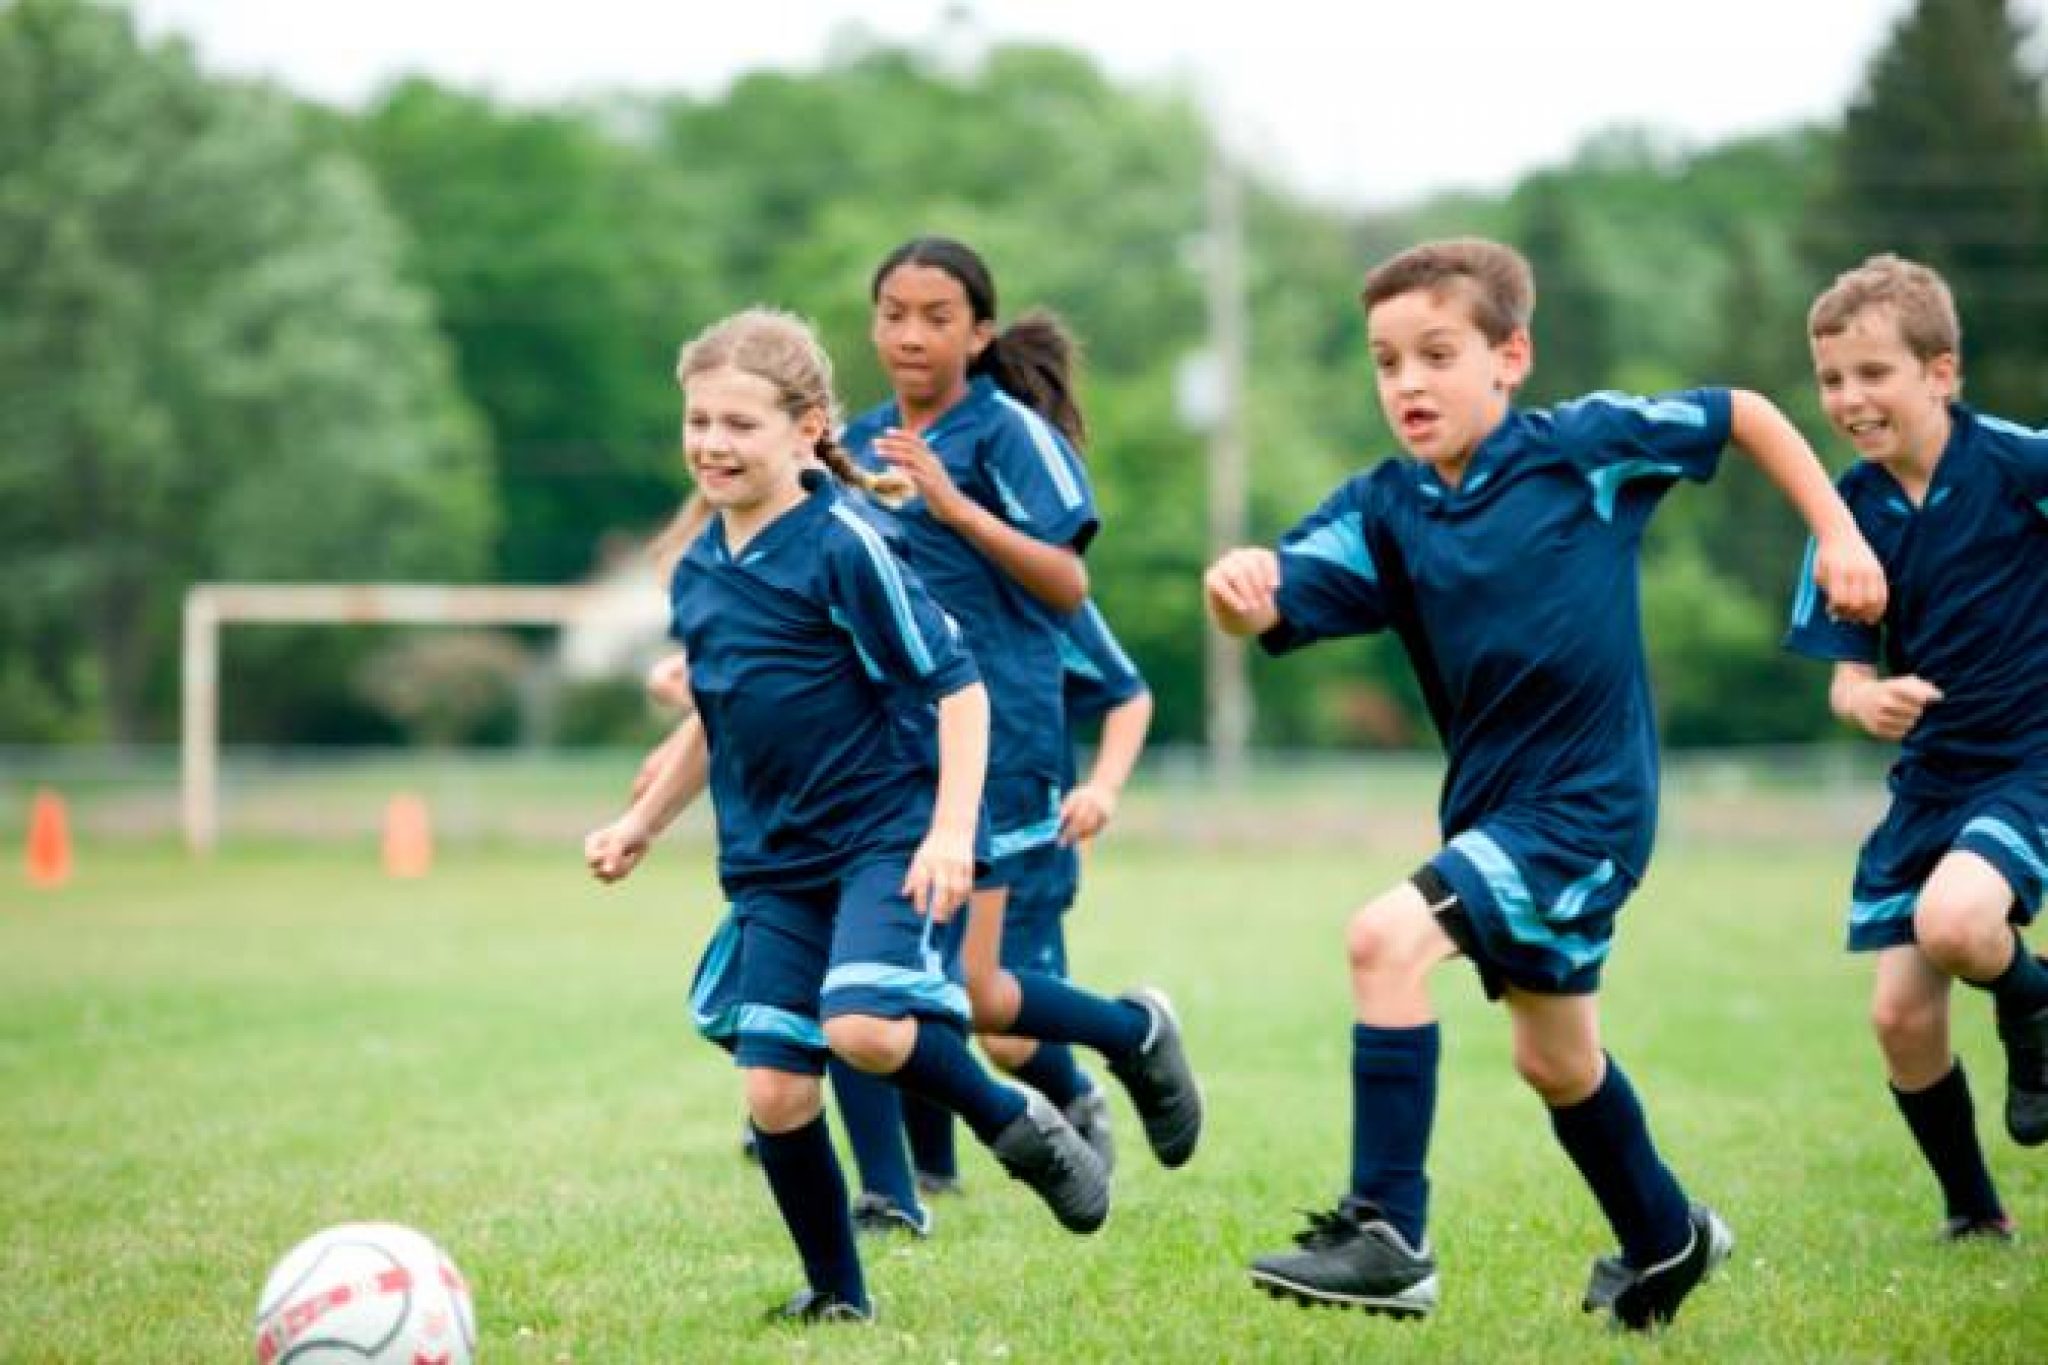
(49, 841)
(408, 837)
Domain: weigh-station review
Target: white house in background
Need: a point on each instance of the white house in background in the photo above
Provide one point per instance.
(624, 627)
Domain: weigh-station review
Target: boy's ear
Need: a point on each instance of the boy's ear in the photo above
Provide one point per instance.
(1946, 372)
(1517, 357)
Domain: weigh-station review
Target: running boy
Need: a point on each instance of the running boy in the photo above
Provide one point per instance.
(1503, 553)
(1956, 504)
(842, 838)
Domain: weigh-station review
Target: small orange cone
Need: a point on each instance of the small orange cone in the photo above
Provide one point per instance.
(49, 841)
(408, 837)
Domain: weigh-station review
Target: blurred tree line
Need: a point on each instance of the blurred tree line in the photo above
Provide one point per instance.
(248, 337)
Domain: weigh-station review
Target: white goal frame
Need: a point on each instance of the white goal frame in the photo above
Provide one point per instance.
(211, 606)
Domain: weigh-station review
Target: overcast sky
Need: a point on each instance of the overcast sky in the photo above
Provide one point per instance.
(1359, 101)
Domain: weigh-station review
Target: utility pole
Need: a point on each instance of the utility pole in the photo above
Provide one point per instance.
(1227, 720)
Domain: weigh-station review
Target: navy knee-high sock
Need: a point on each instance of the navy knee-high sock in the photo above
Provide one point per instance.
(1943, 1122)
(1608, 1139)
(1057, 1011)
(930, 1130)
(1053, 1073)
(803, 1174)
(871, 1109)
(942, 1070)
(1393, 1105)
(2021, 989)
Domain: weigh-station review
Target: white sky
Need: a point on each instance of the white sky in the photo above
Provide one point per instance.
(1366, 102)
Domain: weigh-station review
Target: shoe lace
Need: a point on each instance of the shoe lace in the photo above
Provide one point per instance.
(1333, 1227)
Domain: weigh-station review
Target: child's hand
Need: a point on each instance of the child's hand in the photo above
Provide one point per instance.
(941, 873)
(1848, 572)
(1242, 588)
(1085, 813)
(613, 852)
(1890, 707)
(668, 684)
(909, 456)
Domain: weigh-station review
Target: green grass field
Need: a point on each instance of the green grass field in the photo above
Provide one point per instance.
(201, 1064)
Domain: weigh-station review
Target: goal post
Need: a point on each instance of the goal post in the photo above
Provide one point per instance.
(210, 607)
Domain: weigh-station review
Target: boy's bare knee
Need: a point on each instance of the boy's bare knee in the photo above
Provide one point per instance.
(870, 1043)
(781, 1101)
(1007, 1051)
(1560, 1076)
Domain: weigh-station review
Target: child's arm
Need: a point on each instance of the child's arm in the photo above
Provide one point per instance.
(1843, 564)
(1089, 807)
(685, 758)
(942, 871)
(1242, 591)
(1054, 574)
(1884, 707)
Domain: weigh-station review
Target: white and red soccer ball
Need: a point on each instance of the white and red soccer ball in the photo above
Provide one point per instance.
(365, 1294)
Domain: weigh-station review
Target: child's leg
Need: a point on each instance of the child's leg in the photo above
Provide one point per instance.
(1371, 1251)
(1600, 1123)
(929, 1058)
(932, 1152)
(1137, 1033)
(872, 1112)
(893, 1008)
(795, 1148)
(1909, 1013)
(1962, 922)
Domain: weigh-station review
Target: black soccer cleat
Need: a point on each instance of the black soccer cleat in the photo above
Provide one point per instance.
(1642, 1299)
(877, 1213)
(1160, 1082)
(2026, 1077)
(814, 1306)
(1041, 1148)
(1352, 1257)
(1965, 1227)
(1088, 1112)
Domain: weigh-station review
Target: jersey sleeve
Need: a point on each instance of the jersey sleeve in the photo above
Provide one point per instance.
(1626, 444)
(1329, 582)
(1814, 631)
(2023, 454)
(903, 637)
(1097, 676)
(1040, 481)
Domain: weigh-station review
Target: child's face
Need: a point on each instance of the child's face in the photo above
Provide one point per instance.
(1892, 405)
(1442, 384)
(926, 335)
(743, 450)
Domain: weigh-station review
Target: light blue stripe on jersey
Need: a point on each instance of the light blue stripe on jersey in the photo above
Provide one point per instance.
(1607, 482)
(839, 620)
(1013, 506)
(892, 584)
(2042, 507)
(2010, 428)
(1511, 895)
(1074, 661)
(925, 988)
(2016, 843)
(1809, 591)
(1669, 411)
(1891, 907)
(1048, 447)
(1108, 638)
(1340, 542)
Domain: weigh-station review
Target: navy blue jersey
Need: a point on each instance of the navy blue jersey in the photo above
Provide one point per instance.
(1098, 678)
(1515, 595)
(817, 660)
(1016, 464)
(1968, 611)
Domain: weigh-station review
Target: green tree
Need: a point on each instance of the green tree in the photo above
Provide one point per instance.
(1573, 328)
(1944, 158)
(210, 366)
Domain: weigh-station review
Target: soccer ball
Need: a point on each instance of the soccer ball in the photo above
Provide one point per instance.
(365, 1294)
